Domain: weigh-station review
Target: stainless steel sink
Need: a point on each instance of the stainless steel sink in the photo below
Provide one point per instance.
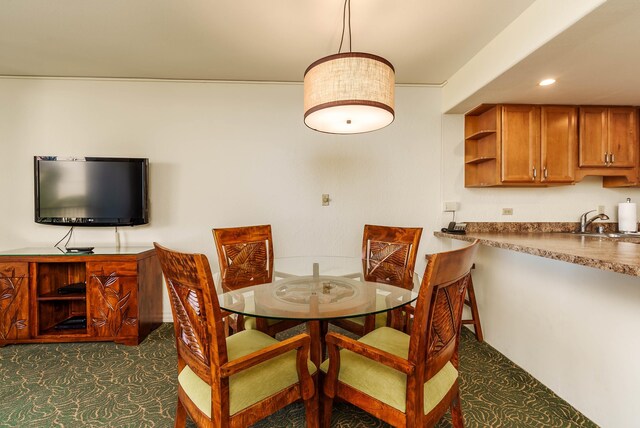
(603, 235)
(633, 238)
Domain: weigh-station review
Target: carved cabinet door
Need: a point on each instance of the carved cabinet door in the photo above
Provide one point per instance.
(112, 295)
(14, 301)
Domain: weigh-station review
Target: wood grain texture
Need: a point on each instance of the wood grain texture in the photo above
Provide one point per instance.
(245, 255)
(388, 256)
(201, 344)
(558, 144)
(14, 302)
(433, 342)
(115, 286)
(608, 144)
(520, 143)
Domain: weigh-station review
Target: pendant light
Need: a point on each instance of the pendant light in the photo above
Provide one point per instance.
(349, 93)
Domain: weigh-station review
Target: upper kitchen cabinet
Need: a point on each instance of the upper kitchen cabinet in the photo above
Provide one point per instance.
(608, 137)
(531, 146)
(558, 143)
(608, 141)
(520, 140)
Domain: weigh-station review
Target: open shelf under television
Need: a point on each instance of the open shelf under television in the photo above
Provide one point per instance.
(121, 301)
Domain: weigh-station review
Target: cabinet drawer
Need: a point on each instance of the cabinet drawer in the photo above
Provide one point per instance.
(14, 270)
(106, 269)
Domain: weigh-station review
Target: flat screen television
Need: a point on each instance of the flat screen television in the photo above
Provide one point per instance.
(91, 191)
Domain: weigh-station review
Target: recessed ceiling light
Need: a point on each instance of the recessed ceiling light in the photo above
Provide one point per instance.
(547, 82)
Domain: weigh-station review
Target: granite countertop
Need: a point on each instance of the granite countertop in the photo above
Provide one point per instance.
(620, 255)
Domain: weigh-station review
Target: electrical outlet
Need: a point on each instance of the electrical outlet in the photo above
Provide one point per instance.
(451, 206)
(507, 211)
(600, 209)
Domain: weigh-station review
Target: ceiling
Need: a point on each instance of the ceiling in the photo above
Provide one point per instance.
(595, 61)
(241, 40)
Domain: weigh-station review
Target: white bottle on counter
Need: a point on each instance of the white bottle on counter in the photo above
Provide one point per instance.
(627, 217)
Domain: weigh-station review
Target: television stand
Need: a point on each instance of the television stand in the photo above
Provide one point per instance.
(121, 301)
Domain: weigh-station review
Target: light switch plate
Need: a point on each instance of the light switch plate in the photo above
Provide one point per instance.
(325, 199)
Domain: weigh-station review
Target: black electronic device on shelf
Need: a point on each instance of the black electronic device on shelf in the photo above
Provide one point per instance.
(77, 287)
(79, 249)
(77, 322)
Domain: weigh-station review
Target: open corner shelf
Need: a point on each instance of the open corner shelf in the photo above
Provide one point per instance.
(480, 159)
(481, 134)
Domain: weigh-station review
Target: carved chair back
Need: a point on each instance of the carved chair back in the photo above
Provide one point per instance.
(389, 254)
(245, 255)
(198, 325)
(436, 325)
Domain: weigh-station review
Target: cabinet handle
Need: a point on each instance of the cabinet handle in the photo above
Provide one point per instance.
(606, 158)
(535, 173)
(545, 173)
(612, 159)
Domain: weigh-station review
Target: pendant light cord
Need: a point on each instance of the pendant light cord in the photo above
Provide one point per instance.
(347, 6)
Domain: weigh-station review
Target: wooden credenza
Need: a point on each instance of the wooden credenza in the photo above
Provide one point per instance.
(122, 302)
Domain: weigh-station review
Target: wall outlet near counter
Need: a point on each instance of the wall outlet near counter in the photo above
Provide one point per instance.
(600, 209)
(507, 211)
(450, 206)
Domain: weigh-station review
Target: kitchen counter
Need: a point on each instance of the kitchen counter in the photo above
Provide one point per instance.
(609, 254)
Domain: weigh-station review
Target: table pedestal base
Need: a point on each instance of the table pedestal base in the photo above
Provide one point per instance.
(317, 329)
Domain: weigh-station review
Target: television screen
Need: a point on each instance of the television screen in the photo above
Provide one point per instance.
(91, 191)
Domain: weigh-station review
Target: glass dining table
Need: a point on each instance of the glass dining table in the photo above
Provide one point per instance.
(319, 289)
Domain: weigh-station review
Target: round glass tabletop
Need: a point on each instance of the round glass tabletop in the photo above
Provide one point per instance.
(316, 288)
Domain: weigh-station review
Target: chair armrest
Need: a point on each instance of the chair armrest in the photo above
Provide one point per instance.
(388, 359)
(301, 342)
(335, 341)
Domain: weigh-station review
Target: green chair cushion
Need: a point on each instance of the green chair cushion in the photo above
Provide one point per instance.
(249, 386)
(384, 383)
(250, 323)
(381, 318)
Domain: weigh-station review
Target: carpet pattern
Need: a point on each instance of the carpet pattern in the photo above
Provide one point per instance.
(109, 385)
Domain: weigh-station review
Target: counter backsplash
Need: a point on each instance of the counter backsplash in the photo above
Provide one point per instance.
(525, 227)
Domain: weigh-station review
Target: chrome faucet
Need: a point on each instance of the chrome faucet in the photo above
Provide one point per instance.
(584, 222)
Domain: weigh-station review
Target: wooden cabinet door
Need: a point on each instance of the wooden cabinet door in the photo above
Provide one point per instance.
(112, 301)
(520, 146)
(558, 143)
(622, 136)
(593, 136)
(14, 301)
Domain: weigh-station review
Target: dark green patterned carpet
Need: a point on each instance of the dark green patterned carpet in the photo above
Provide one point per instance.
(109, 385)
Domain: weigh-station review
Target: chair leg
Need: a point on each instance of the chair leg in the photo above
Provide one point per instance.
(456, 412)
(181, 416)
(327, 408)
(475, 315)
(312, 413)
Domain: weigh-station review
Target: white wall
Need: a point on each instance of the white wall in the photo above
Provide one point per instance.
(223, 155)
(574, 328)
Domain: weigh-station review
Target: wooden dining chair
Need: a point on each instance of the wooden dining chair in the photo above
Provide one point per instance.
(407, 380)
(388, 256)
(234, 381)
(245, 255)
